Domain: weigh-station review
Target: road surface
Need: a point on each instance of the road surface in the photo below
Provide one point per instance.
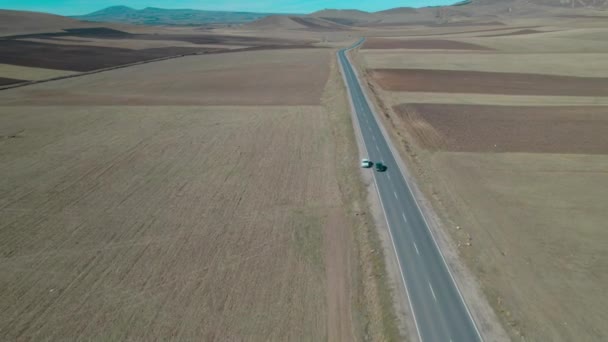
(439, 311)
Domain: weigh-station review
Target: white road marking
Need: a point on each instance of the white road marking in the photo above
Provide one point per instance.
(377, 149)
(416, 248)
(388, 175)
(432, 292)
(394, 193)
(404, 218)
(374, 137)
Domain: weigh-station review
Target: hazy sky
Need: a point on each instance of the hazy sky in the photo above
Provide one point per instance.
(72, 7)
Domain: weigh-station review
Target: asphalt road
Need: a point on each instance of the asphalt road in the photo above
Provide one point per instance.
(440, 313)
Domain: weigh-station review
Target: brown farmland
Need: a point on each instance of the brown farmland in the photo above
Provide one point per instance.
(124, 223)
(384, 43)
(477, 82)
(270, 77)
(8, 81)
(514, 33)
(199, 198)
(80, 58)
(478, 128)
(47, 50)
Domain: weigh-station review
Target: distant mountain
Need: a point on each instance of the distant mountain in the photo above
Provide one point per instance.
(161, 16)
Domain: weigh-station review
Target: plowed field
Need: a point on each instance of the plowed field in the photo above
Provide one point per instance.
(456, 81)
(165, 222)
(478, 128)
(385, 43)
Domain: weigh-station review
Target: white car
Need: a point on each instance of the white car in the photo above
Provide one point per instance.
(366, 163)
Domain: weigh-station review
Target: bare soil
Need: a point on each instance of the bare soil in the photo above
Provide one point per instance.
(514, 33)
(80, 58)
(30, 73)
(476, 128)
(135, 223)
(111, 47)
(534, 225)
(587, 64)
(385, 43)
(270, 77)
(457, 81)
(7, 81)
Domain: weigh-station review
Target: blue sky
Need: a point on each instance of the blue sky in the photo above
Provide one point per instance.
(72, 7)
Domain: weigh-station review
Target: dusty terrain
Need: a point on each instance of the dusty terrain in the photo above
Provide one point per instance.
(246, 78)
(208, 197)
(476, 82)
(478, 128)
(384, 43)
(213, 197)
(509, 145)
(139, 216)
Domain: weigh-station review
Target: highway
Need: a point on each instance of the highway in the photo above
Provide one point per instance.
(440, 313)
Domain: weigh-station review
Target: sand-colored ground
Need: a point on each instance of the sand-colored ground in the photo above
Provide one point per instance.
(397, 98)
(134, 209)
(536, 223)
(537, 43)
(565, 64)
(30, 73)
(274, 77)
(425, 44)
(478, 128)
(480, 82)
(139, 217)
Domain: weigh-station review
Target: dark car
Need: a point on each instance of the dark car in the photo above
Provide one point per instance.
(380, 167)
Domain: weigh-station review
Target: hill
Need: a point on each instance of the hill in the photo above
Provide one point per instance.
(284, 22)
(346, 17)
(161, 16)
(21, 22)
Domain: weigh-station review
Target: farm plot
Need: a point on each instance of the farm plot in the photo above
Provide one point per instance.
(30, 73)
(439, 44)
(8, 81)
(165, 222)
(272, 77)
(456, 81)
(477, 128)
(532, 229)
(587, 64)
(509, 146)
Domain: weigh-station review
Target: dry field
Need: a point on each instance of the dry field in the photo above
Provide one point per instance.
(87, 49)
(476, 82)
(477, 128)
(8, 81)
(586, 64)
(436, 44)
(171, 201)
(510, 146)
(272, 77)
(30, 73)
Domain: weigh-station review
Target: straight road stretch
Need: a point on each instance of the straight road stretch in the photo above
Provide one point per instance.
(440, 313)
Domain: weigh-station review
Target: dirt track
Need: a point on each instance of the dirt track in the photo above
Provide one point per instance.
(456, 81)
